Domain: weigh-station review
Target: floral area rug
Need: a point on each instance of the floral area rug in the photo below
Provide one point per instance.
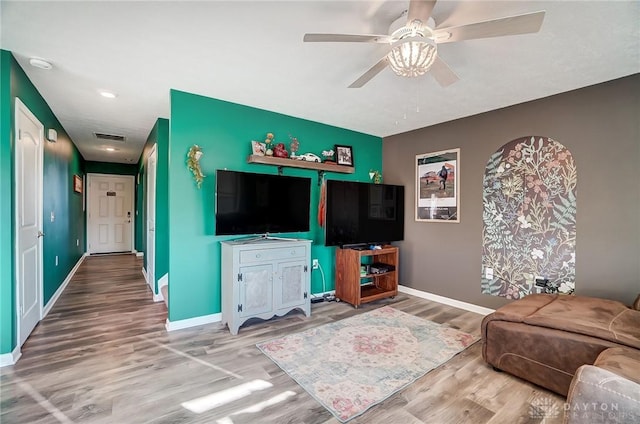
(353, 364)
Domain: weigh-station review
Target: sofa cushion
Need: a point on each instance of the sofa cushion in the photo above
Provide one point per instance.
(621, 361)
(601, 318)
(598, 396)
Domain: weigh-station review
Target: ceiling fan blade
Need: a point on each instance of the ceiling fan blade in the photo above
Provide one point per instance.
(442, 73)
(420, 10)
(347, 38)
(511, 25)
(372, 72)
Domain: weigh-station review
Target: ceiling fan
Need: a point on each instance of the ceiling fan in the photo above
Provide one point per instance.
(413, 46)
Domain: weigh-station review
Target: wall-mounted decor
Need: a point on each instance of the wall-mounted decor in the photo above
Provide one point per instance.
(193, 163)
(438, 186)
(77, 184)
(375, 176)
(344, 155)
(529, 231)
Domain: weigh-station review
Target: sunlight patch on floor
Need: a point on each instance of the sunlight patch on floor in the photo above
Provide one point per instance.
(193, 358)
(35, 395)
(223, 397)
(258, 406)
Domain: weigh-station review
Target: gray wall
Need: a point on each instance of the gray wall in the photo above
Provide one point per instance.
(600, 125)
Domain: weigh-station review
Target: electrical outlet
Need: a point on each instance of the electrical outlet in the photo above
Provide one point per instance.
(488, 273)
(77, 242)
(53, 216)
(56, 260)
(315, 264)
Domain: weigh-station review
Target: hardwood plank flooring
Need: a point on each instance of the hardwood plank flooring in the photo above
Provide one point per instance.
(102, 355)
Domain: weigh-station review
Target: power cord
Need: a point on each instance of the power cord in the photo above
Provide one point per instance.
(326, 296)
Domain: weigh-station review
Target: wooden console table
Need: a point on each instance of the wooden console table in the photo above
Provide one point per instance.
(356, 288)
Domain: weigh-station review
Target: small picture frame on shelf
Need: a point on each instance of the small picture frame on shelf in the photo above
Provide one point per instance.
(344, 155)
(258, 148)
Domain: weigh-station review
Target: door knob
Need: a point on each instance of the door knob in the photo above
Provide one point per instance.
(40, 234)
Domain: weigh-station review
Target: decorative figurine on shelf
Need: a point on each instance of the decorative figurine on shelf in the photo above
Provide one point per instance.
(280, 151)
(328, 155)
(267, 142)
(193, 163)
(294, 146)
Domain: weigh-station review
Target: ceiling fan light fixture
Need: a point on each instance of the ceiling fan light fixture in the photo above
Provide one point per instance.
(412, 56)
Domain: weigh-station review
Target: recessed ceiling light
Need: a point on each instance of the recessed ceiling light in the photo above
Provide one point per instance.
(40, 63)
(110, 149)
(108, 94)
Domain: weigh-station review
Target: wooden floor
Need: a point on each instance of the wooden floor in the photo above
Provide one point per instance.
(102, 355)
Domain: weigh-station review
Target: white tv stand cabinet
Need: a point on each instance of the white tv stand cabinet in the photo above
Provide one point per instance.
(263, 278)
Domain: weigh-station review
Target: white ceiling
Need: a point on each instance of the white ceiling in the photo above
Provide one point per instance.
(251, 52)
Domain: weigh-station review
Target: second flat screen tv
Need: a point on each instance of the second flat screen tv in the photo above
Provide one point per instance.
(361, 213)
(248, 203)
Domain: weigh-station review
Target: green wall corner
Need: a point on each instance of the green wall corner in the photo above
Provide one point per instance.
(159, 136)
(224, 131)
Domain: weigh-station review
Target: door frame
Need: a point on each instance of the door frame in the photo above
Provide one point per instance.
(90, 189)
(21, 107)
(151, 205)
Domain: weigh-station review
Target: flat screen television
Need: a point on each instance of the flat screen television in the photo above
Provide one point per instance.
(248, 203)
(361, 213)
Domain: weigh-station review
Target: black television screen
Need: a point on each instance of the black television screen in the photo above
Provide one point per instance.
(361, 213)
(248, 203)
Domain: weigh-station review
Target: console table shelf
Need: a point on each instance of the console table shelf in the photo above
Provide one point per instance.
(349, 281)
(294, 163)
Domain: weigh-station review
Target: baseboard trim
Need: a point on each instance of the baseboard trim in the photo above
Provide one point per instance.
(163, 281)
(446, 300)
(63, 286)
(192, 322)
(7, 359)
(146, 279)
(139, 254)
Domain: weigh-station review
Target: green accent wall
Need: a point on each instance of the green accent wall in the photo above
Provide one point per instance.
(65, 236)
(7, 293)
(159, 137)
(224, 131)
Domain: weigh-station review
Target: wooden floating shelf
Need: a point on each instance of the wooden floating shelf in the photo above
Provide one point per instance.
(295, 163)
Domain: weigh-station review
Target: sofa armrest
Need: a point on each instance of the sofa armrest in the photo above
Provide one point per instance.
(597, 395)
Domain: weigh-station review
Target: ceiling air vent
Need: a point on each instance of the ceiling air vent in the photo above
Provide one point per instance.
(110, 137)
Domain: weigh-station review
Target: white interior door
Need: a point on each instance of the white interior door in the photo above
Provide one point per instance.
(151, 218)
(110, 220)
(28, 171)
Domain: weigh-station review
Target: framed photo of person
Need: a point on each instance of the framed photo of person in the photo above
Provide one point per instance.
(344, 155)
(438, 186)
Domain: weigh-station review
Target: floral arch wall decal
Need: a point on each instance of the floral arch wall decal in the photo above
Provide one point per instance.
(529, 219)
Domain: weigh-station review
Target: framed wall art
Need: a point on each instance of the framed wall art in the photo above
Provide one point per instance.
(344, 155)
(438, 186)
(77, 184)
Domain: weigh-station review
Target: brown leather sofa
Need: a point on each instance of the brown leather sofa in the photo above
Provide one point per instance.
(607, 391)
(545, 338)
